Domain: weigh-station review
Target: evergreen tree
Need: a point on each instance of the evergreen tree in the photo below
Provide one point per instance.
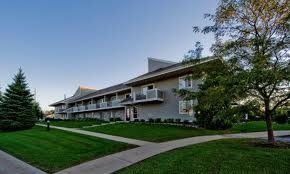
(16, 106)
(36, 110)
(0, 95)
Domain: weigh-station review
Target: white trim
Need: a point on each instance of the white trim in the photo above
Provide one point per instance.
(184, 77)
(185, 113)
(166, 71)
(142, 87)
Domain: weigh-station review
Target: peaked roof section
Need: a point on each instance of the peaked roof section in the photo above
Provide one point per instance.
(80, 92)
(166, 70)
(104, 91)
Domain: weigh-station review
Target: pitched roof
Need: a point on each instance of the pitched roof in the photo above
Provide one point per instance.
(107, 90)
(80, 92)
(167, 69)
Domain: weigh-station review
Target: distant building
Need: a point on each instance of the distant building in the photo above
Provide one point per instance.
(147, 96)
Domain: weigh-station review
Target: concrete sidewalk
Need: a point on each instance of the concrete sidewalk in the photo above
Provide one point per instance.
(115, 162)
(105, 136)
(11, 165)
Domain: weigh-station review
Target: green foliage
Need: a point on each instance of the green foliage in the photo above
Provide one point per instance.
(252, 38)
(36, 110)
(281, 116)
(157, 120)
(16, 105)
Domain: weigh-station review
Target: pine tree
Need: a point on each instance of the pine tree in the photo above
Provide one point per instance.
(36, 110)
(16, 106)
(0, 95)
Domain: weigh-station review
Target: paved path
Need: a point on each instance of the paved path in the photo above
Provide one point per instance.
(105, 136)
(12, 165)
(117, 161)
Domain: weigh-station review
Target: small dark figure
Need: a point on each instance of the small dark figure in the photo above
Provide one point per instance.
(48, 125)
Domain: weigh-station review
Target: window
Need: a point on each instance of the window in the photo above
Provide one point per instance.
(185, 107)
(113, 98)
(185, 82)
(101, 100)
(146, 88)
(128, 95)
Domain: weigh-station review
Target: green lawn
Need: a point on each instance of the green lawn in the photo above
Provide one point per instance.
(160, 133)
(223, 156)
(257, 126)
(55, 150)
(74, 123)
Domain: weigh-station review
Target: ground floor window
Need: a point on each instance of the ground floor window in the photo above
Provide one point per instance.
(185, 107)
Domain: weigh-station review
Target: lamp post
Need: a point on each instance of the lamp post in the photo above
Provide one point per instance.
(48, 125)
(246, 121)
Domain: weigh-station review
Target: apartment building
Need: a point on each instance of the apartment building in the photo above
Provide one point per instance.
(147, 96)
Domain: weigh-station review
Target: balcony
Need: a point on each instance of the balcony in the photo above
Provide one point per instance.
(98, 106)
(59, 110)
(149, 96)
(103, 104)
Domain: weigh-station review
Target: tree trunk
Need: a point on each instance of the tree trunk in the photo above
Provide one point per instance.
(268, 117)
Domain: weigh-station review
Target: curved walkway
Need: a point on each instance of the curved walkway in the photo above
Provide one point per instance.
(117, 161)
(101, 135)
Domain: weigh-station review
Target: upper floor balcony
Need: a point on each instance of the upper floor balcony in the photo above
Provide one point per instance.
(59, 110)
(96, 106)
(146, 96)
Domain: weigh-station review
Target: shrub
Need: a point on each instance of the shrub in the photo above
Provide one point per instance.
(280, 118)
(118, 119)
(177, 120)
(170, 120)
(150, 120)
(10, 125)
(136, 120)
(112, 119)
(185, 122)
(142, 120)
(221, 121)
(221, 124)
(157, 120)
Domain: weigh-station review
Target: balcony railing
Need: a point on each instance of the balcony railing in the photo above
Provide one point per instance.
(150, 95)
(103, 105)
(58, 110)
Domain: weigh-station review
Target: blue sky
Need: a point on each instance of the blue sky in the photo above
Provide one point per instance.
(61, 44)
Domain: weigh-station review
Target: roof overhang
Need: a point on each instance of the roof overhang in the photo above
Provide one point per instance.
(102, 94)
(168, 73)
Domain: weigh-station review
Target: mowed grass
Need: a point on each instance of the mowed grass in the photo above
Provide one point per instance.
(257, 126)
(55, 150)
(74, 123)
(164, 132)
(223, 156)
(150, 132)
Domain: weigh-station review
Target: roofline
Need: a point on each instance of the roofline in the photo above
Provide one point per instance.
(56, 103)
(87, 87)
(168, 71)
(162, 60)
(101, 94)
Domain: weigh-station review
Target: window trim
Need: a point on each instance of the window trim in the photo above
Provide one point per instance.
(185, 113)
(142, 87)
(184, 77)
